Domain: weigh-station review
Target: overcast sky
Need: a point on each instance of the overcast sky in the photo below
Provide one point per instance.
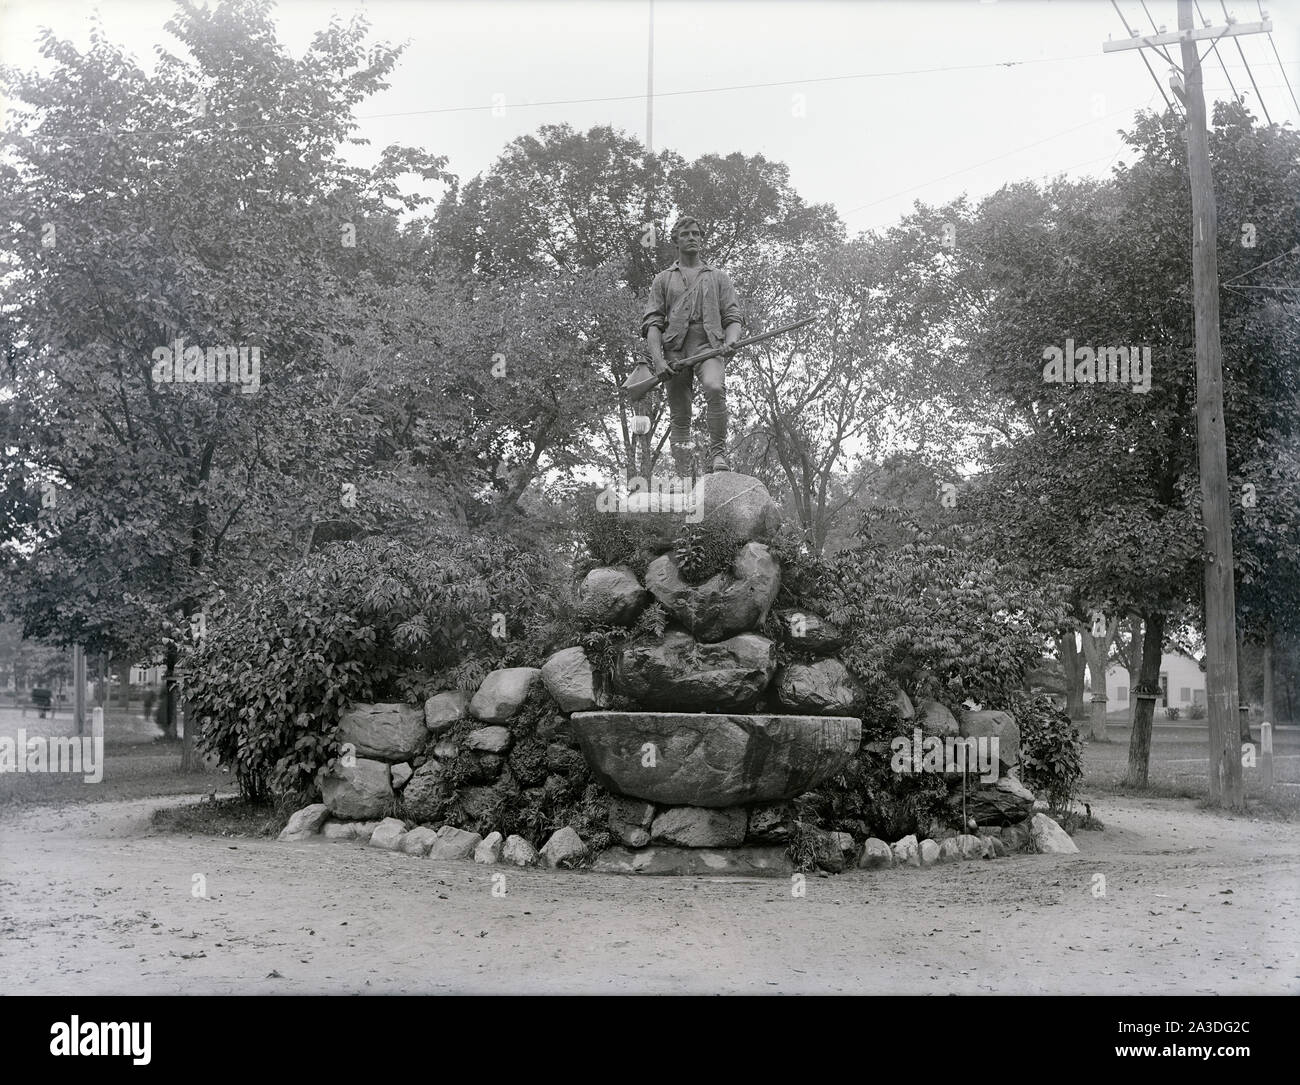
(862, 118)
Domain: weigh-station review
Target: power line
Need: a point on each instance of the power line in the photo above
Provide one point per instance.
(1295, 251)
(615, 97)
(1142, 53)
(987, 161)
(1215, 46)
(1158, 48)
(1279, 62)
(1237, 42)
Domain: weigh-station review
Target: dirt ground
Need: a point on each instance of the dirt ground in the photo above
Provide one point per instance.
(92, 901)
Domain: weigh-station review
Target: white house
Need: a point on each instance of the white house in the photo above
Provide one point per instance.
(1182, 683)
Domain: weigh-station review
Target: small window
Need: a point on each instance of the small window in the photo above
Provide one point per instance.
(1185, 694)
(1122, 693)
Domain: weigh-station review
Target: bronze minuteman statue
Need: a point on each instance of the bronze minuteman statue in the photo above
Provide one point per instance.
(692, 308)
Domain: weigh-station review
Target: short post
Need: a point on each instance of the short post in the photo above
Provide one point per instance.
(79, 688)
(1266, 753)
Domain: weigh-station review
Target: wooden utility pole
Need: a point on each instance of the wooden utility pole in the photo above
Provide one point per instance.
(650, 86)
(1211, 439)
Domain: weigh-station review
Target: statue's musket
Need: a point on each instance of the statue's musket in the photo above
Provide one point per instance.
(636, 390)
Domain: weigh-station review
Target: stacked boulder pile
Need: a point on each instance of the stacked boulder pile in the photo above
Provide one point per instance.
(696, 733)
(446, 763)
(718, 736)
(992, 819)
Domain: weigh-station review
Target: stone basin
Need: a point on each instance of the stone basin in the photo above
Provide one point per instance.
(713, 759)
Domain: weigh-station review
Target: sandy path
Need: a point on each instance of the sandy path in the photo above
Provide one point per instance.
(91, 902)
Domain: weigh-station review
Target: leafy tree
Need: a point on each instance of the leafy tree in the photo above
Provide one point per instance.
(207, 202)
(939, 620)
(1093, 483)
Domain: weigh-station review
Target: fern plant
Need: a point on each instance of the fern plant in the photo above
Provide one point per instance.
(704, 550)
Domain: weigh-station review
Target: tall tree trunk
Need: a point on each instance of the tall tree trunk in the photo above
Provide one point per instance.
(189, 756)
(1134, 661)
(1269, 708)
(169, 695)
(1072, 665)
(1095, 650)
(1139, 747)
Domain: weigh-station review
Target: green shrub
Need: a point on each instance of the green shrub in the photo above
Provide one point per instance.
(939, 621)
(631, 539)
(704, 550)
(804, 576)
(1171, 713)
(1051, 751)
(369, 621)
(1196, 712)
(602, 643)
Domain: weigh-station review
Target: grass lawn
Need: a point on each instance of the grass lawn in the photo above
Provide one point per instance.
(131, 771)
(1179, 767)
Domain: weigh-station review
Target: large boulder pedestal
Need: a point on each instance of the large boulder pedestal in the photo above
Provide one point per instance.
(713, 760)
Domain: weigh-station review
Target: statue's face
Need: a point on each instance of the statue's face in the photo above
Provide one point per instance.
(689, 238)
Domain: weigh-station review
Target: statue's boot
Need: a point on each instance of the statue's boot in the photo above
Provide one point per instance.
(683, 450)
(716, 418)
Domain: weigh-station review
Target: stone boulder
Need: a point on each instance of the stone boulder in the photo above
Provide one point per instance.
(770, 824)
(697, 759)
(1016, 837)
(611, 595)
(824, 688)
(1012, 786)
(972, 847)
(494, 739)
(907, 852)
(518, 851)
(452, 843)
(764, 862)
(991, 806)
(810, 633)
(827, 849)
(697, 827)
(934, 718)
(1050, 838)
(502, 693)
(564, 848)
(388, 834)
(929, 851)
(739, 503)
(950, 851)
(348, 830)
(999, 725)
(875, 853)
(681, 673)
(488, 850)
(630, 819)
(570, 679)
(425, 791)
(358, 792)
(723, 605)
(443, 709)
(400, 775)
(306, 822)
(904, 705)
(384, 732)
(418, 841)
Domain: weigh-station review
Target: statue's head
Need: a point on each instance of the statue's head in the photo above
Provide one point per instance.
(687, 231)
